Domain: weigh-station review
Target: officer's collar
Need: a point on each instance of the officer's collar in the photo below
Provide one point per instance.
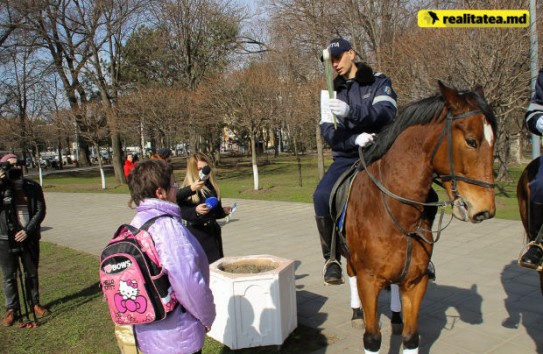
(364, 76)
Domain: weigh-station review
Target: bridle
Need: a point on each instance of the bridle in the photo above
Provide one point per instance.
(419, 233)
(447, 129)
(453, 177)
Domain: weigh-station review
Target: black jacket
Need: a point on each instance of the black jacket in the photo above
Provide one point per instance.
(204, 227)
(35, 202)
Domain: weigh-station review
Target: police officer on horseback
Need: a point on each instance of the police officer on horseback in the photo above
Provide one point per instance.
(365, 102)
(533, 257)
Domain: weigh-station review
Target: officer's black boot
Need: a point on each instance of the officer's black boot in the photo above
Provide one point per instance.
(534, 255)
(332, 271)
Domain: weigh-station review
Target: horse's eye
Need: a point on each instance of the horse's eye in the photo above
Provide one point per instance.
(472, 143)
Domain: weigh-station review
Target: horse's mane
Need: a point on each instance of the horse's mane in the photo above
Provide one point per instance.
(422, 112)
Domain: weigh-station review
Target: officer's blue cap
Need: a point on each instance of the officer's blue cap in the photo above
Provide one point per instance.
(339, 45)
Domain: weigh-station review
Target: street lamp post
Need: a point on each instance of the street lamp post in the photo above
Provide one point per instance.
(536, 141)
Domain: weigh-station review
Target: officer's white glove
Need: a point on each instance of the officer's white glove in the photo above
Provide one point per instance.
(539, 125)
(363, 139)
(339, 108)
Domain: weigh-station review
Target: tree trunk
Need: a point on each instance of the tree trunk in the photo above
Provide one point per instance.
(254, 161)
(100, 167)
(117, 157)
(298, 160)
(277, 141)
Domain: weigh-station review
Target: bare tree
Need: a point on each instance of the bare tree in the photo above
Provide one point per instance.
(252, 96)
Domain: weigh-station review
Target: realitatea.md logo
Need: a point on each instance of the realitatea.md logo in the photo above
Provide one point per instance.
(473, 18)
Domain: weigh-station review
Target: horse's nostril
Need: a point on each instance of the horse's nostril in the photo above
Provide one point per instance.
(484, 215)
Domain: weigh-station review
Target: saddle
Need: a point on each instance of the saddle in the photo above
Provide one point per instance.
(339, 197)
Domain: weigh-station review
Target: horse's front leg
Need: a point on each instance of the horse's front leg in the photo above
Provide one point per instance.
(411, 300)
(368, 289)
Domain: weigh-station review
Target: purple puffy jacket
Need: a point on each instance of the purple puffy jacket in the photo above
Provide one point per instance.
(186, 264)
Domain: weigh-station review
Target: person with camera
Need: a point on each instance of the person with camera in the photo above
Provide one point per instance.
(22, 210)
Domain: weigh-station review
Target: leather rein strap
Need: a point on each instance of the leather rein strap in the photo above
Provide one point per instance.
(447, 130)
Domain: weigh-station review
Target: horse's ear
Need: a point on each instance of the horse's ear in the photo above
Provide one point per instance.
(452, 98)
(479, 90)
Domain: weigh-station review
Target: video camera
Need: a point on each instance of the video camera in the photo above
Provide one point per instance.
(6, 167)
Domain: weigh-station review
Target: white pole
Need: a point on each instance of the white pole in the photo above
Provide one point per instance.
(534, 66)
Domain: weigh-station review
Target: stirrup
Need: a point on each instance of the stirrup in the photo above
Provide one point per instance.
(539, 267)
(328, 263)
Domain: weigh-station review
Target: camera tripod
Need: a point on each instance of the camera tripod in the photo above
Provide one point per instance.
(26, 322)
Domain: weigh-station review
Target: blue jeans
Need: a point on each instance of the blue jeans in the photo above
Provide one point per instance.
(9, 264)
(321, 196)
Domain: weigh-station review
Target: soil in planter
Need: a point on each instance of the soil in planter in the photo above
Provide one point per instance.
(247, 268)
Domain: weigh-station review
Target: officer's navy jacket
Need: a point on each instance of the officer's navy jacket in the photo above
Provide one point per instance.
(372, 105)
(535, 109)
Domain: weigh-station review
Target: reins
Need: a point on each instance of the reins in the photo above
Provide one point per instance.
(447, 129)
(417, 234)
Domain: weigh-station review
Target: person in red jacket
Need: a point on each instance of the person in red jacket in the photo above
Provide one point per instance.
(129, 165)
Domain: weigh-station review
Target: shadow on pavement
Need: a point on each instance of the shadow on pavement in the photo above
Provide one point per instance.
(523, 302)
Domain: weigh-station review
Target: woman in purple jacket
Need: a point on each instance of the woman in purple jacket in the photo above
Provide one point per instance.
(153, 189)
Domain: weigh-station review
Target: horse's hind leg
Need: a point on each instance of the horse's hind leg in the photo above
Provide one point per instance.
(369, 293)
(411, 300)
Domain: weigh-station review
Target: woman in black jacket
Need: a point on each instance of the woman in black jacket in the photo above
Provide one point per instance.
(201, 217)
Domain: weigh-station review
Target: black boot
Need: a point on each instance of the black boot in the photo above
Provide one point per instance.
(332, 270)
(534, 256)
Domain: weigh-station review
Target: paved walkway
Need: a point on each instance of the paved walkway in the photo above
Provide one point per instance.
(482, 301)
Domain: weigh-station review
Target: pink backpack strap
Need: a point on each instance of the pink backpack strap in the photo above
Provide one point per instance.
(146, 241)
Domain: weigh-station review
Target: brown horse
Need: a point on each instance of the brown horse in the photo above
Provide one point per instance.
(523, 198)
(450, 136)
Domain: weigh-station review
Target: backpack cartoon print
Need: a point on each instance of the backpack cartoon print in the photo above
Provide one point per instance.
(127, 299)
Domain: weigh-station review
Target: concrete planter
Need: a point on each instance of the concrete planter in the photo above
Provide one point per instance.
(253, 309)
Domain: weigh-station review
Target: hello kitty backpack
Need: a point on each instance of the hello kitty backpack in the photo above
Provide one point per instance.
(135, 287)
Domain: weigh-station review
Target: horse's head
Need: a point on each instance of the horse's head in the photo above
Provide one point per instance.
(465, 154)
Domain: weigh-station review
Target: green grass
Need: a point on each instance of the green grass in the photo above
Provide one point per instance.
(80, 322)
(279, 181)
